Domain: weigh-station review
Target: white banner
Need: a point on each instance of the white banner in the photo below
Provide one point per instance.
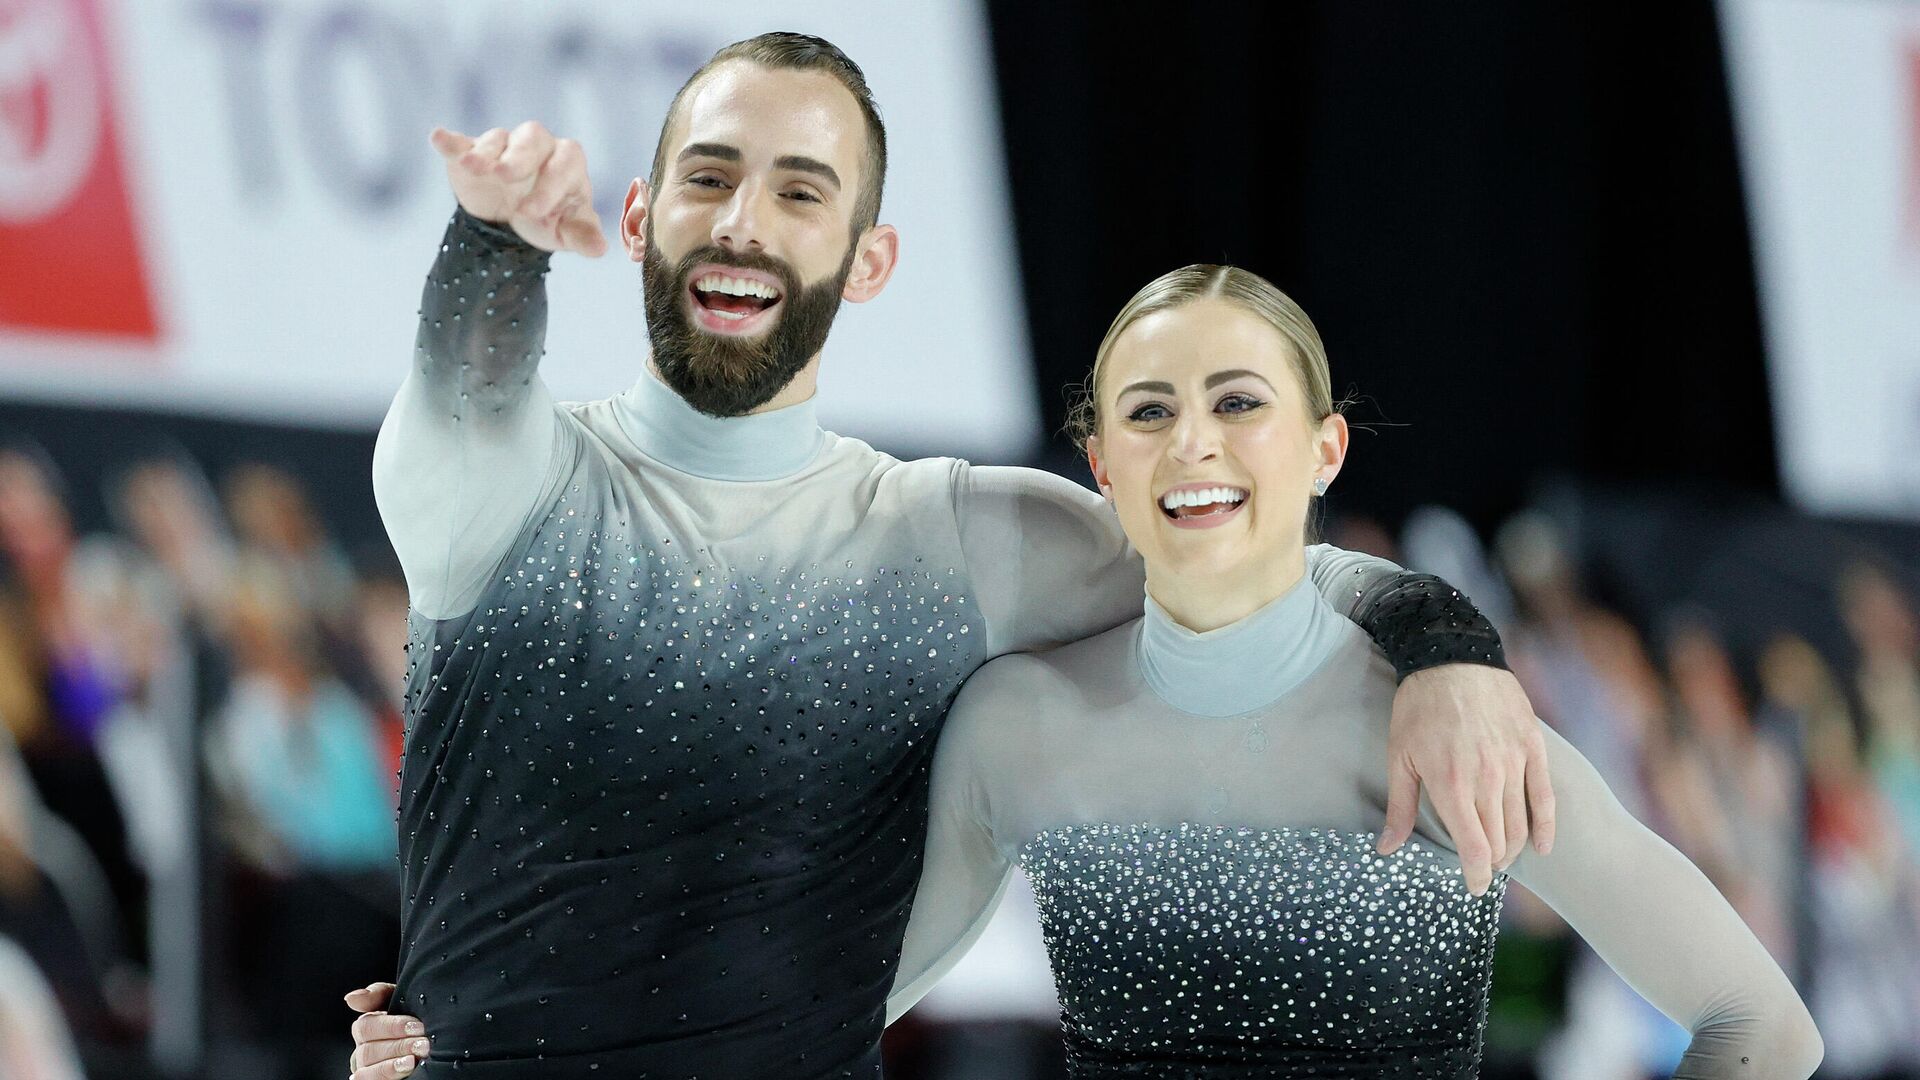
(229, 206)
(1826, 96)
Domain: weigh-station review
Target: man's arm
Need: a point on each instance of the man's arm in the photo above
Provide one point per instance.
(1461, 723)
(1418, 620)
(1048, 563)
(465, 448)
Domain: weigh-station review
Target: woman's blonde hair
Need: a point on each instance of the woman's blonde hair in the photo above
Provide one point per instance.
(1242, 288)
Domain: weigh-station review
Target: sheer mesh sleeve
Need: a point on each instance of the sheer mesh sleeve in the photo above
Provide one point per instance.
(1418, 620)
(1657, 920)
(964, 873)
(464, 450)
(1046, 556)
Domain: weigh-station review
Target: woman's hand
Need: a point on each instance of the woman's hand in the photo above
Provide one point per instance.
(384, 1046)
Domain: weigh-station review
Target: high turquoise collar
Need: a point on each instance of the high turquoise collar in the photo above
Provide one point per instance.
(1244, 665)
(761, 446)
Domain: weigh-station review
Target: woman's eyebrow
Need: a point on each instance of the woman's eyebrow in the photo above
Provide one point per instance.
(1219, 377)
(1149, 387)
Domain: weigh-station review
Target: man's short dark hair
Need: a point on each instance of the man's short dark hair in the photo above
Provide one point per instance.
(786, 51)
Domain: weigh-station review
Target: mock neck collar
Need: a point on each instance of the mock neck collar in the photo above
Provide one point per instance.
(759, 446)
(1242, 666)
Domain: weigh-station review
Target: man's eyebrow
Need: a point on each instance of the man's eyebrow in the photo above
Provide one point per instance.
(710, 149)
(1148, 387)
(802, 163)
(1219, 377)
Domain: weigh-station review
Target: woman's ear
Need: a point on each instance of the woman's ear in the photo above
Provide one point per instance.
(1098, 466)
(1331, 447)
(633, 216)
(876, 253)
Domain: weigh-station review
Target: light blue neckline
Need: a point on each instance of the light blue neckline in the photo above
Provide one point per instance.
(760, 446)
(1242, 666)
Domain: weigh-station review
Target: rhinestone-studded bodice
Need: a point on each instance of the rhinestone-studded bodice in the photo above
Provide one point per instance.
(663, 798)
(1215, 951)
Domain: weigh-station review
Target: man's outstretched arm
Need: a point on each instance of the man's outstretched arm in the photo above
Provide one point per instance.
(1049, 563)
(464, 450)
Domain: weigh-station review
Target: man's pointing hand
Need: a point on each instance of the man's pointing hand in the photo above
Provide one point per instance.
(528, 181)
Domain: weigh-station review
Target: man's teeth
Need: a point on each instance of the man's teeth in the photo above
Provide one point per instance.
(1174, 500)
(734, 286)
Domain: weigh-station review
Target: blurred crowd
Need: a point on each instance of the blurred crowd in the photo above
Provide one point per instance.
(1791, 777)
(199, 730)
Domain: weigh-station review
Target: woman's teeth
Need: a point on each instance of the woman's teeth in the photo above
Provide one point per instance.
(1175, 500)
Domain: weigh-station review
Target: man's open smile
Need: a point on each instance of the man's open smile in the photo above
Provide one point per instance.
(733, 301)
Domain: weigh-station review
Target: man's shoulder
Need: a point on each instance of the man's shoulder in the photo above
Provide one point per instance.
(1089, 666)
(907, 479)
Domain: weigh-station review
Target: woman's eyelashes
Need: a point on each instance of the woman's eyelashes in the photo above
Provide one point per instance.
(1235, 404)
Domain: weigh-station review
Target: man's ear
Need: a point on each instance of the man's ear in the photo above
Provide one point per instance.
(876, 253)
(633, 217)
(1098, 466)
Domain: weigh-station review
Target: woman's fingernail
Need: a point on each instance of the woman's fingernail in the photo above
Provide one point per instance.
(403, 1066)
(415, 1027)
(419, 1048)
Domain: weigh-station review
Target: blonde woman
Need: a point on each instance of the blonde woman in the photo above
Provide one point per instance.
(1196, 819)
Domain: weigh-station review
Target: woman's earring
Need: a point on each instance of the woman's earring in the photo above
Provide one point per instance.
(1319, 485)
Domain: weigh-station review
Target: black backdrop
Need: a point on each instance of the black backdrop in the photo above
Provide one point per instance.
(1519, 226)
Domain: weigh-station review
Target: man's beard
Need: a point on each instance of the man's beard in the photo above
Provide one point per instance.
(732, 376)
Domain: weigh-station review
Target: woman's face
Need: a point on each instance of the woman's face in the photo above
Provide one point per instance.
(1205, 447)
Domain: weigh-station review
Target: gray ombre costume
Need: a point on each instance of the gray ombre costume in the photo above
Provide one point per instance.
(676, 682)
(1197, 814)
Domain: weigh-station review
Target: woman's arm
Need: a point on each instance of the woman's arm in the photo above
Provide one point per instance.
(1654, 917)
(963, 873)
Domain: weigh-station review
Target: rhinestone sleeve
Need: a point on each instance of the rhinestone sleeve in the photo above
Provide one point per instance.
(483, 316)
(1421, 622)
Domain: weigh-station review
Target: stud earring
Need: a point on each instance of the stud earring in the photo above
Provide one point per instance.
(1319, 485)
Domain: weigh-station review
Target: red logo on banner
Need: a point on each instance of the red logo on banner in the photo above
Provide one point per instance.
(69, 257)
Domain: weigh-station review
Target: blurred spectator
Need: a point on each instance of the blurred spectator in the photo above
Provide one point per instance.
(1864, 981)
(1729, 794)
(34, 1041)
(71, 686)
(1880, 616)
(1583, 666)
(381, 604)
(297, 752)
(277, 526)
(303, 769)
(55, 922)
(169, 513)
